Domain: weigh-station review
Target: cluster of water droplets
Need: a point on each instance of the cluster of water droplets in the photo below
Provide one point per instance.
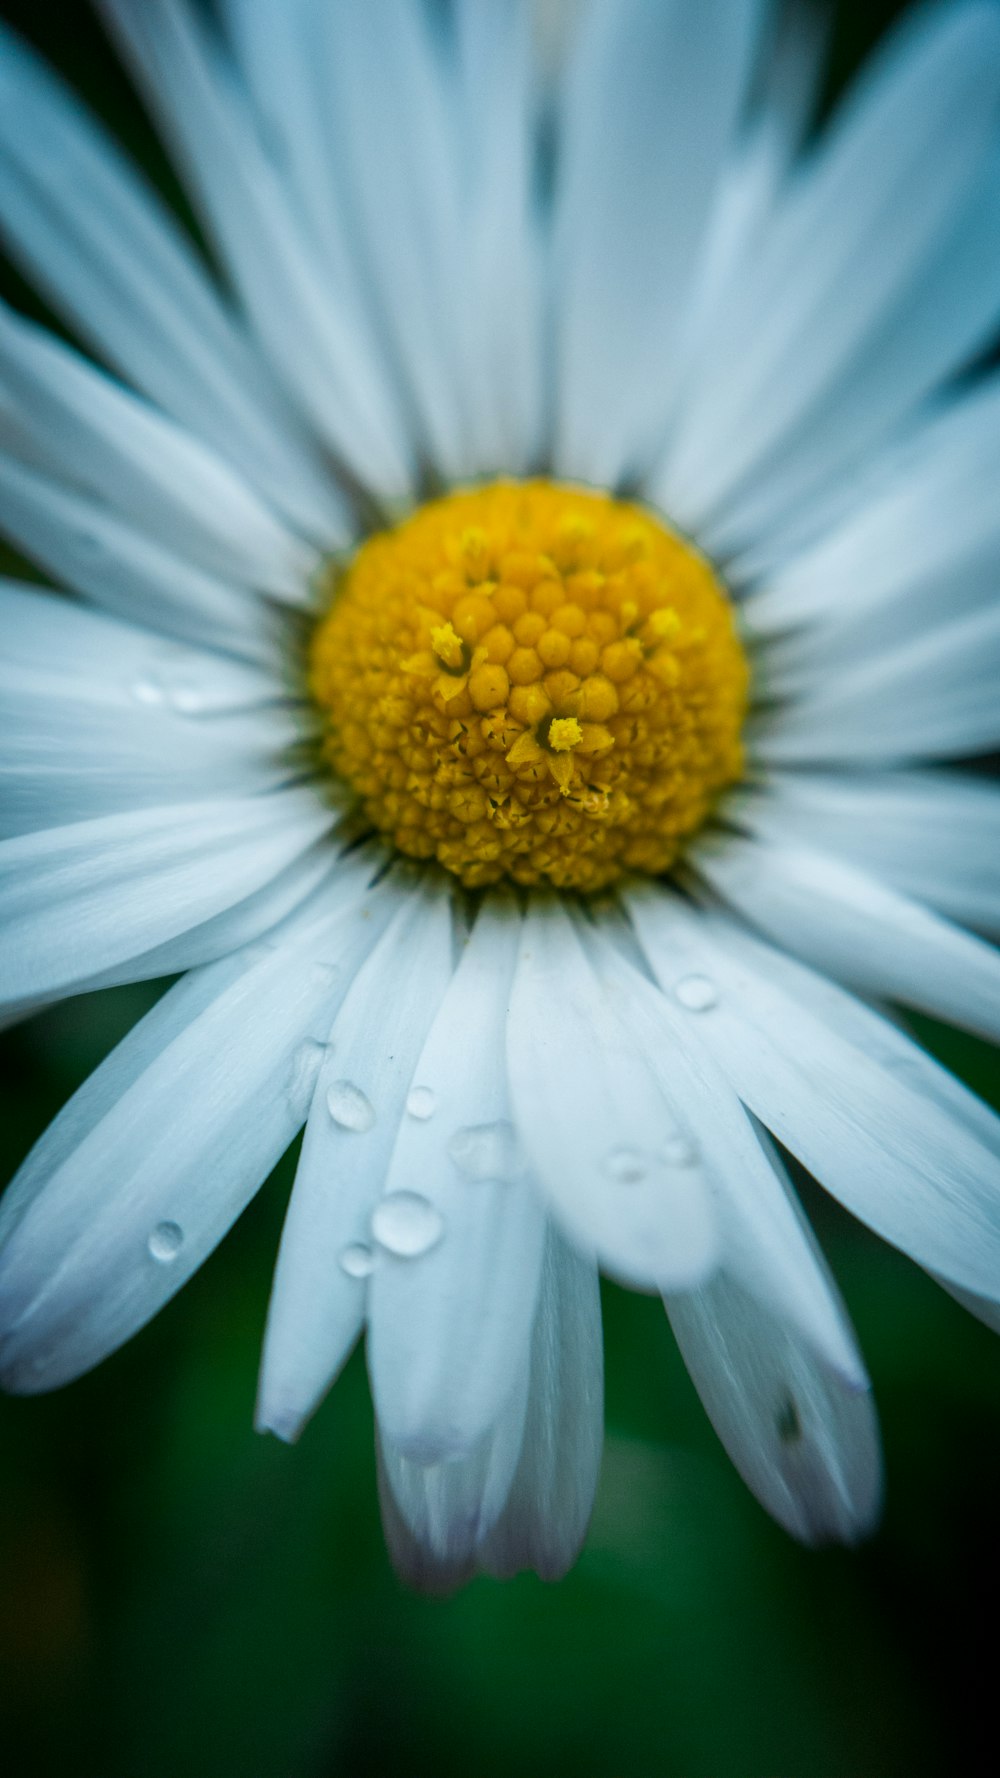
(633, 1166)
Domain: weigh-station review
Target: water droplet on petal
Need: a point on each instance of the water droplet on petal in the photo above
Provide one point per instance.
(485, 1151)
(420, 1103)
(165, 1242)
(407, 1224)
(680, 1151)
(357, 1260)
(148, 690)
(350, 1107)
(788, 1424)
(697, 993)
(626, 1165)
(306, 1064)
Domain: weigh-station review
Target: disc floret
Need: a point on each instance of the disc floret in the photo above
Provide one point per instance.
(531, 681)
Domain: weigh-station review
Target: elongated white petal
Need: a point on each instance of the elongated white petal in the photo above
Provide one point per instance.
(765, 1243)
(437, 1515)
(862, 1107)
(932, 835)
(106, 1224)
(804, 1440)
(146, 467)
(522, 1497)
(593, 1120)
(923, 545)
(320, 351)
(630, 267)
(545, 1520)
(849, 925)
(317, 871)
(501, 259)
(651, 108)
(951, 316)
(119, 567)
(319, 1294)
(97, 718)
(94, 236)
(931, 696)
(77, 900)
(857, 232)
(450, 1322)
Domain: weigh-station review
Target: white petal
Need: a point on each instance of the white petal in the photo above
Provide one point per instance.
(651, 108)
(932, 835)
(594, 1122)
(316, 872)
(804, 1440)
(849, 925)
(922, 546)
(319, 1294)
(545, 1520)
(77, 900)
(151, 1162)
(449, 1327)
(122, 569)
(858, 231)
(437, 1515)
(952, 315)
(861, 1106)
(314, 344)
(90, 722)
(932, 696)
(147, 468)
(501, 260)
(102, 246)
(765, 1244)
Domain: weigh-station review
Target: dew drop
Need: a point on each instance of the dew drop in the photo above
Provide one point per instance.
(697, 993)
(90, 546)
(165, 1242)
(788, 1424)
(485, 1151)
(357, 1260)
(407, 1224)
(306, 1064)
(148, 690)
(680, 1151)
(349, 1107)
(420, 1103)
(626, 1165)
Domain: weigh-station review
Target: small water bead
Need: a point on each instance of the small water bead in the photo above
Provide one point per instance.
(165, 1242)
(305, 1067)
(420, 1103)
(407, 1224)
(149, 690)
(357, 1260)
(626, 1165)
(680, 1151)
(350, 1107)
(486, 1151)
(696, 993)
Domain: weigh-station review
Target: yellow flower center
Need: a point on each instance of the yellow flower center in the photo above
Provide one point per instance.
(531, 681)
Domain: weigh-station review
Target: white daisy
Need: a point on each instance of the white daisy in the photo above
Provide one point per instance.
(427, 764)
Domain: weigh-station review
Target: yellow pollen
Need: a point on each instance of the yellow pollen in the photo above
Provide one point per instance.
(564, 732)
(531, 681)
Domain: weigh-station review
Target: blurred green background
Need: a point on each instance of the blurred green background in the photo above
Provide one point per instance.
(178, 1595)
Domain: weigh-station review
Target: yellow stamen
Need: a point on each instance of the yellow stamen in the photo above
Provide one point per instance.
(532, 681)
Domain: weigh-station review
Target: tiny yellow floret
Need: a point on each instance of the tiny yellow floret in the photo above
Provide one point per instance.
(531, 681)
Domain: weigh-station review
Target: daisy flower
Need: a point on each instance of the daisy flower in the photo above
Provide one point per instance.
(532, 573)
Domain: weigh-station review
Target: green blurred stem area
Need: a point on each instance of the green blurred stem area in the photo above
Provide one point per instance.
(179, 1595)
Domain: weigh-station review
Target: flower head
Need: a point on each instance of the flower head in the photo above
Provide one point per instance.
(521, 629)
